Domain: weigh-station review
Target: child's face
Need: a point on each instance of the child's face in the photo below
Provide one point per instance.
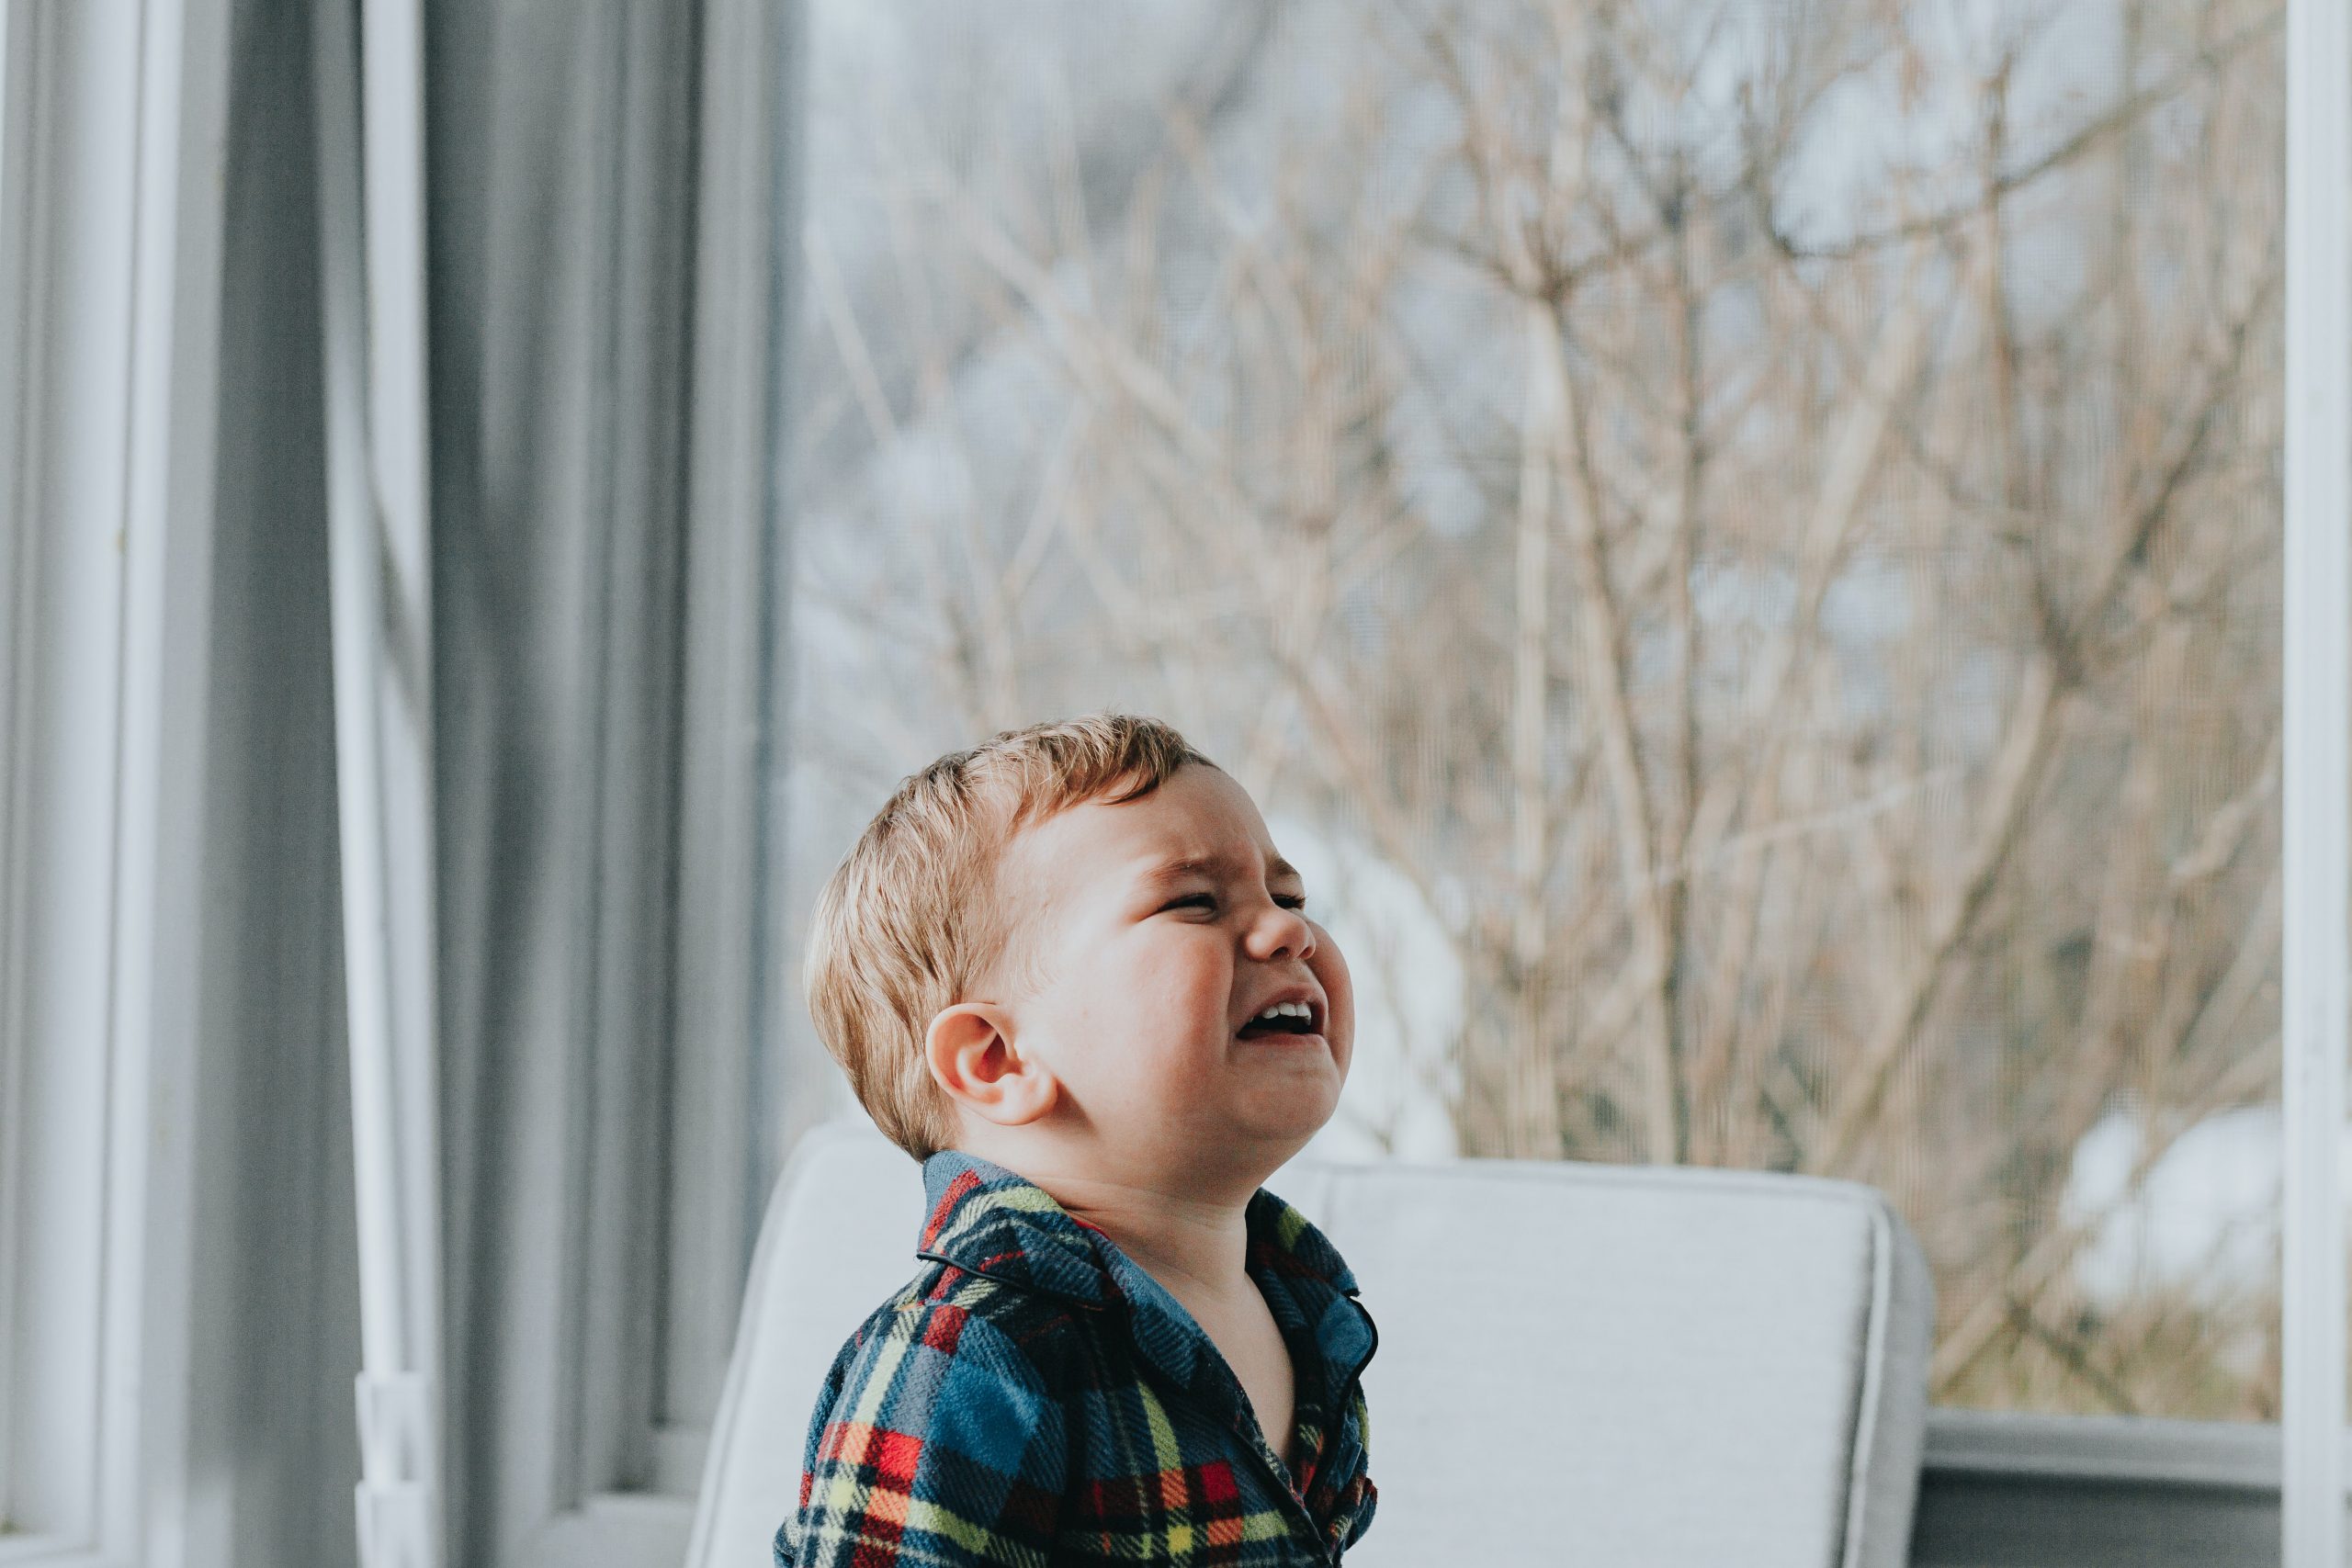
(1147, 983)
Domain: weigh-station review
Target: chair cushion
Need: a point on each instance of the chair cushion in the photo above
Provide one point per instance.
(1577, 1363)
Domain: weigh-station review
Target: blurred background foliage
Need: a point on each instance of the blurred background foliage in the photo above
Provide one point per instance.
(1737, 543)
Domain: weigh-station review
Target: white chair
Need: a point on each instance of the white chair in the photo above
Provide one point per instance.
(1577, 1363)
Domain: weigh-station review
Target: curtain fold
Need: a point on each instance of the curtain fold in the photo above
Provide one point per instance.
(545, 630)
(278, 1354)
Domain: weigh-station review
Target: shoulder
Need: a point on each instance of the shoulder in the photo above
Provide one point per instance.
(944, 1431)
(988, 1333)
(1045, 1330)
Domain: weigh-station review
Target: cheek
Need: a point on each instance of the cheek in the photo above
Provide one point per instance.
(1143, 1011)
(1184, 972)
(1330, 971)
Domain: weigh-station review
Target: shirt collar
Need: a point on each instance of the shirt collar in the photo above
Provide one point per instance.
(989, 1221)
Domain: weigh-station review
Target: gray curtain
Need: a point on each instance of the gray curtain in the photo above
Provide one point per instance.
(275, 1363)
(610, 213)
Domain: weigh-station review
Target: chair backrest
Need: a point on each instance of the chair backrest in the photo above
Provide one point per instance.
(1577, 1363)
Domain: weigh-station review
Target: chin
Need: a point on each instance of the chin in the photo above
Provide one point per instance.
(1291, 1121)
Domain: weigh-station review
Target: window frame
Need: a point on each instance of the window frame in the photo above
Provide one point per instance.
(2000, 1490)
(2316, 783)
(110, 168)
(16, 104)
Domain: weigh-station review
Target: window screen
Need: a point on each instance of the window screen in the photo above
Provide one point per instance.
(1738, 546)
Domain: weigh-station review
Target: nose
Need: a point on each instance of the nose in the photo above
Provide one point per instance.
(1280, 933)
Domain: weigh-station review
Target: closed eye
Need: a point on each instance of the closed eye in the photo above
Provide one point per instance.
(1287, 900)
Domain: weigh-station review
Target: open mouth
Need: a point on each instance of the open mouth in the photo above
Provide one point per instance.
(1282, 1023)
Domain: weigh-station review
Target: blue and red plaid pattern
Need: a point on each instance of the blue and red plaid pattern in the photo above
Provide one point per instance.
(1034, 1396)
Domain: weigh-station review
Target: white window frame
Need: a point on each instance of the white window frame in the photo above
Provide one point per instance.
(110, 168)
(2013, 1491)
(2317, 846)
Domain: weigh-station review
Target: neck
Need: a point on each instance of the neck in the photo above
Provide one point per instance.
(1180, 1241)
(1189, 1231)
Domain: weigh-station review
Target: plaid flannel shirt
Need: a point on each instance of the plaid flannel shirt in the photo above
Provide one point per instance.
(1034, 1396)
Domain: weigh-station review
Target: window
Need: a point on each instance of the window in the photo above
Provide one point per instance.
(1756, 577)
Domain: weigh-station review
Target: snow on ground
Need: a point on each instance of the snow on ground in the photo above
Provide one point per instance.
(2205, 1221)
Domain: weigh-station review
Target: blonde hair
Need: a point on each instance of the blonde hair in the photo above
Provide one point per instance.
(910, 921)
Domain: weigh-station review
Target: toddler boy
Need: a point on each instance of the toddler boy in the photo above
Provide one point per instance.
(1068, 972)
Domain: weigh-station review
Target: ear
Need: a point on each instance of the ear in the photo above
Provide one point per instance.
(971, 1054)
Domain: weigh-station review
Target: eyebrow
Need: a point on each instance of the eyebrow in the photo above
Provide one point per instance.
(1172, 871)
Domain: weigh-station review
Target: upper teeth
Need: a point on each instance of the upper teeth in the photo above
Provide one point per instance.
(1288, 1009)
